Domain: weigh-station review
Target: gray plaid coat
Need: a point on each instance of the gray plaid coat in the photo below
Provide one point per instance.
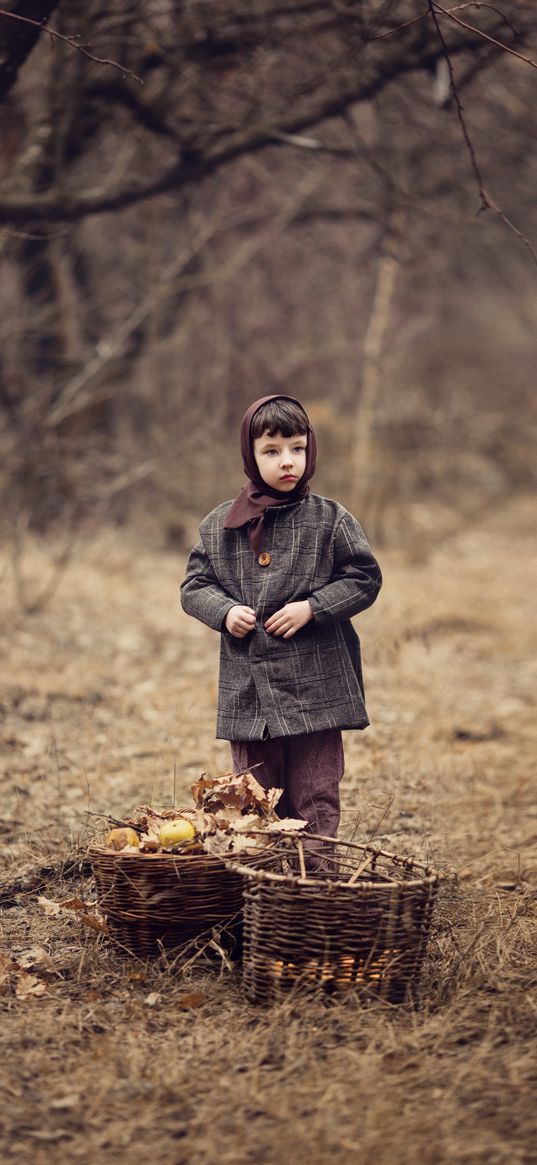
(270, 686)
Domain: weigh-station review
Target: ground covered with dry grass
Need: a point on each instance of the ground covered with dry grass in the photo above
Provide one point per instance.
(108, 691)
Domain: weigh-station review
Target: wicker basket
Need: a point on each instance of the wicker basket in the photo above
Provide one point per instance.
(363, 924)
(154, 902)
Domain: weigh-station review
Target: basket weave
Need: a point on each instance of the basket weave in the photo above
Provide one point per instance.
(154, 902)
(330, 932)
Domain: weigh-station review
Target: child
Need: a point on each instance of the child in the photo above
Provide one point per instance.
(279, 572)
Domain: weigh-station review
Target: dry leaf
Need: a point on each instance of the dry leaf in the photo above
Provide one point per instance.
(220, 843)
(28, 985)
(231, 814)
(7, 964)
(247, 821)
(192, 999)
(234, 792)
(87, 915)
(241, 844)
(36, 957)
(51, 908)
(94, 921)
(7, 968)
(286, 825)
(217, 844)
(69, 1101)
(152, 998)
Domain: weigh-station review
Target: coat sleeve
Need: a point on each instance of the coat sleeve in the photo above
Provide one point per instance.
(201, 593)
(356, 578)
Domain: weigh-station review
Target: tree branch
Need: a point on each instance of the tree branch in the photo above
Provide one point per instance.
(487, 202)
(73, 41)
(16, 46)
(192, 166)
(450, 12)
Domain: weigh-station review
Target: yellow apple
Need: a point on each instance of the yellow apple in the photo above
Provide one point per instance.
(176, 831)
(119, 838)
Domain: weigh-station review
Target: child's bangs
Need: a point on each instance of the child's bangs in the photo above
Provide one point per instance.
(279, 416)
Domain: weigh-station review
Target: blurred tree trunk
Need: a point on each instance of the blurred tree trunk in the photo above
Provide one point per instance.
(367, 485)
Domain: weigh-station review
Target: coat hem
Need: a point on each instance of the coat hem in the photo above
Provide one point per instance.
(221, 734)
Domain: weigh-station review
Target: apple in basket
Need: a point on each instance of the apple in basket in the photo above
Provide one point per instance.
(119, 838)
(174, 832)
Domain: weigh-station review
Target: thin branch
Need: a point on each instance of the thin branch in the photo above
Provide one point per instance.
(492, 8)
(487, 202)
(500, 44)
(354, 52)
(73, 42)
(78, 396)
(400, 27)
(192, 167)
(469, 145)
(75, 395)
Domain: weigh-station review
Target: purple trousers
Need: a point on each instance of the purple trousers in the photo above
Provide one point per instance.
(308, 768)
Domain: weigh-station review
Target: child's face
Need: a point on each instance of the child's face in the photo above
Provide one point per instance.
(281, 461)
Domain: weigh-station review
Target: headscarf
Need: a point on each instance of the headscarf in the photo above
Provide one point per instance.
(255, 497)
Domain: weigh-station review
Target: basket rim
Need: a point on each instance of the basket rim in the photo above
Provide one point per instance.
(104, 851)
(429, 877)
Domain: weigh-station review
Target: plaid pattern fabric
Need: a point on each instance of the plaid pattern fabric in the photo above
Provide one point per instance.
(270, 686)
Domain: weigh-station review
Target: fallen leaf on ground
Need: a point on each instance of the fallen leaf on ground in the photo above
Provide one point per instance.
(152, 998)
(7, 967)
(191, 999)
(69, 1101)
(28, 985)
(7, 964)
(51, 908)
(36, 957)
(84, 911)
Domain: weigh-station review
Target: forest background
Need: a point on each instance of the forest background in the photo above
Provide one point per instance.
(252, 196)
(202, 201)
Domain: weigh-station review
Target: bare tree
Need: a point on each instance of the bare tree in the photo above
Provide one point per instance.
(227, 224)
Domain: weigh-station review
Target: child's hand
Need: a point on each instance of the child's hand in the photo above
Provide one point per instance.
(289, 619)
(240, 621)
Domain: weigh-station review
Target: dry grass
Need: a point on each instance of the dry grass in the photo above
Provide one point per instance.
(102, 693)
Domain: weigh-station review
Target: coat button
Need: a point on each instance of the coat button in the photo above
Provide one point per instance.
(264, 558)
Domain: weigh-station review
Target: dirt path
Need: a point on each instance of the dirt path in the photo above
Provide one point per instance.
(110, 689)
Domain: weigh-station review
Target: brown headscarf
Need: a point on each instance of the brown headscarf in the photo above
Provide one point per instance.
(254, 497)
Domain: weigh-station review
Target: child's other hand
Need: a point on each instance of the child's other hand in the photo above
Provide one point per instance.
(289, 619)
(240, 621)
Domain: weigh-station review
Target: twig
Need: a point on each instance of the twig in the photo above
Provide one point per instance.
(500, 44)
(302, 863)
(115, 821)
(399, 27)
(73, 42)
(481, 4)
(60, 563)
(487, 202)
(248, 770)
(366, 860)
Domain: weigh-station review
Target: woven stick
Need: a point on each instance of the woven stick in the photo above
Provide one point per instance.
(115, 821)
(366, 860)
(300, 849)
